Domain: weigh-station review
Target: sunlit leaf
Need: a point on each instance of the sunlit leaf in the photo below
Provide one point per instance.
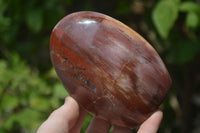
(189, 6)
(164, 15)
(52, 74)
(59, 91)
(192, 20)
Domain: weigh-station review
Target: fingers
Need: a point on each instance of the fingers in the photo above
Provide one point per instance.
(118, 129)
(62, 119)
(69, 118)
(98, 125)
(152, 124)
(77, 127)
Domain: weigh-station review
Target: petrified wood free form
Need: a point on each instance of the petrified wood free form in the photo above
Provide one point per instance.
(108, 68)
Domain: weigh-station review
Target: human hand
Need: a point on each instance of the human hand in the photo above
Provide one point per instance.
(70, 116)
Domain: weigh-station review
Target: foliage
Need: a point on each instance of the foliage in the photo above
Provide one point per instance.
(30, 89)
(164, 16)
(25, 96)
(166, 13)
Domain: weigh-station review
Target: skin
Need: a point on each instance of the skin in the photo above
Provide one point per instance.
(70, 116)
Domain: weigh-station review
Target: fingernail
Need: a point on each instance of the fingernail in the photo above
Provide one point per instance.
(66, 99)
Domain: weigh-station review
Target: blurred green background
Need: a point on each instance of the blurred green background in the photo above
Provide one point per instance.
(30, 89)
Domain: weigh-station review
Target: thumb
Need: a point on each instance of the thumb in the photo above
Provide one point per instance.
(62, 119)
(152, 124)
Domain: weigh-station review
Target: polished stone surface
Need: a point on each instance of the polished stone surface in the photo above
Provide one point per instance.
(108, 68)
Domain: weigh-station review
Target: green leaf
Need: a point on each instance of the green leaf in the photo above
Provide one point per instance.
(5, 74)
(26, 119)
(59, 94)
(164, 15)
(111, 129)
(34, 20)
(189, 6)
(9, 102)
(9, 121)
(59, 91)
(55, 102)
(51, 74)
(192, 20)
(40, 103)
(87, 120)
(29, 118)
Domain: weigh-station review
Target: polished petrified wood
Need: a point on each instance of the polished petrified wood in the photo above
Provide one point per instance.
(108, 68)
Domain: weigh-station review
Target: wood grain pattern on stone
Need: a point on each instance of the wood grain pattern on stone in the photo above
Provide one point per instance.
(108, 68)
